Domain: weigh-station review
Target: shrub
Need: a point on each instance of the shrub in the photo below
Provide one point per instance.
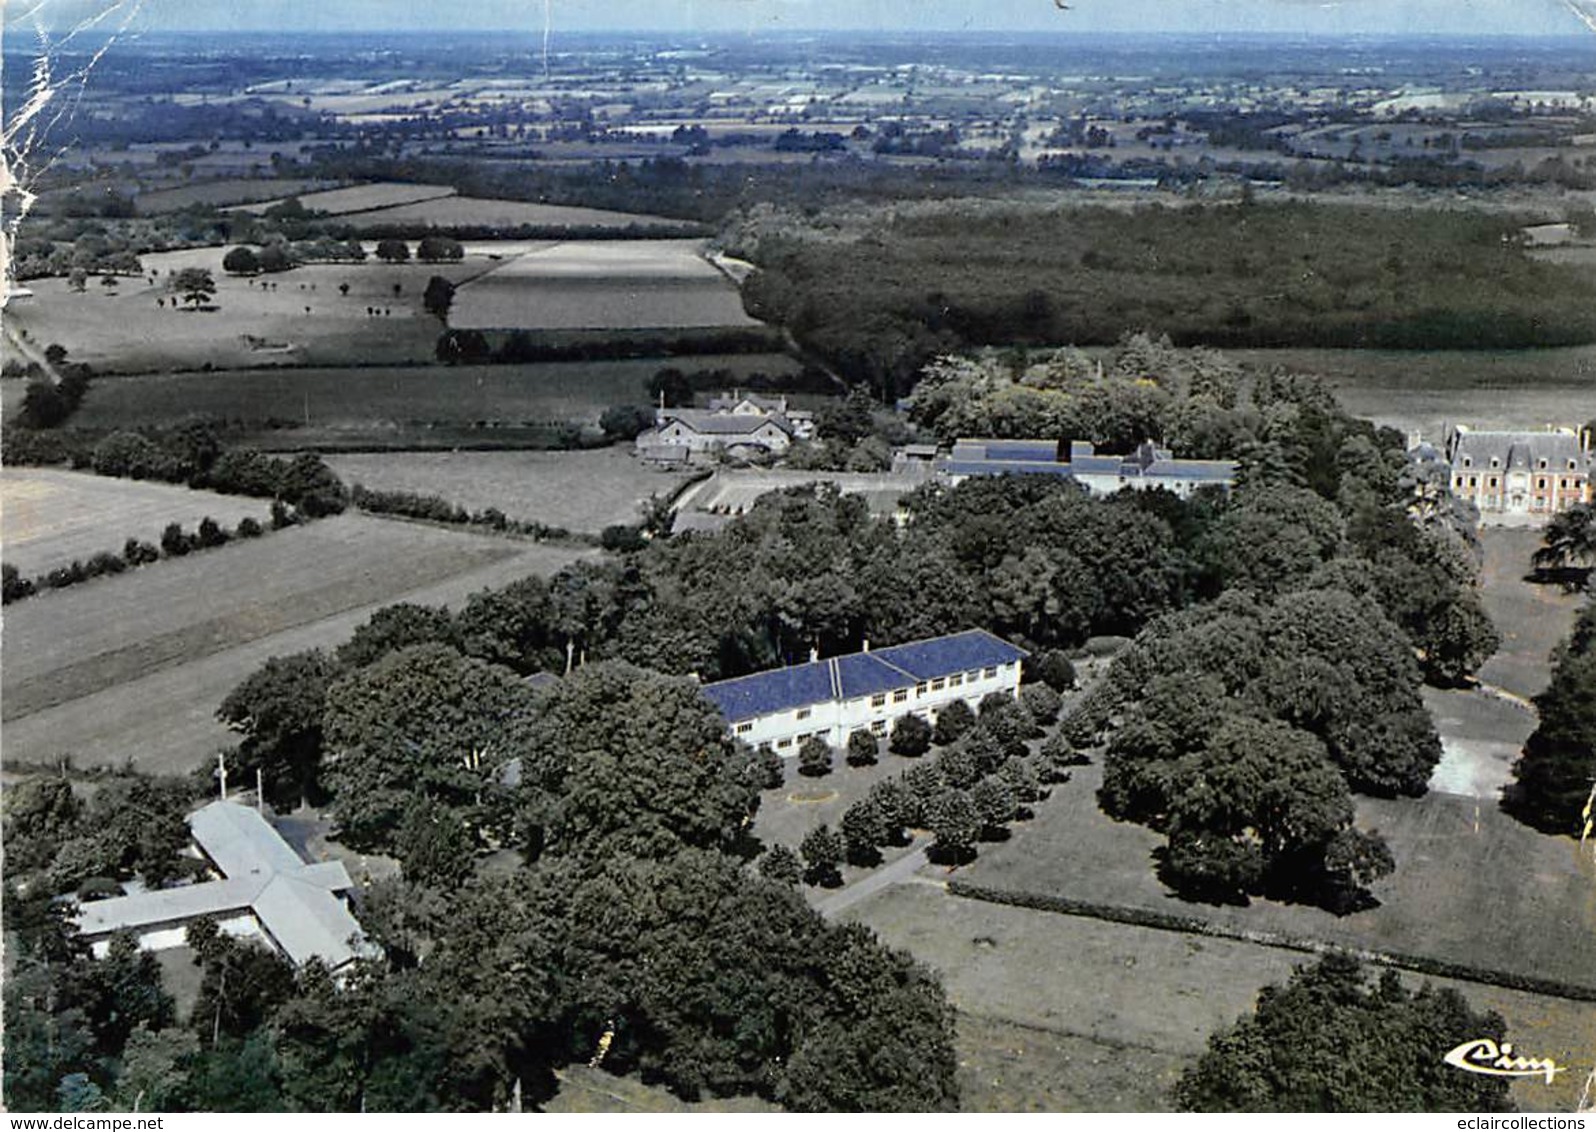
(15, 587)
(822, 850)
(136, 553)
(1053, 669)
(174, 543)
(774, 768)
(210, 533)
(105, 563)
(249, 527)
(911, 737)
(814, 757)
(863, 831)
(952, 722)
(863, 748)
(1042, 702)
(622, 538)
(781, 864)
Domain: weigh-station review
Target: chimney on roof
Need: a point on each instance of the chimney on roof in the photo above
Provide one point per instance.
(814, 656)
(867, 644)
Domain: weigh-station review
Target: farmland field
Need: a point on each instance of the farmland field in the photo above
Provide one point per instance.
(221, 193)
(580, 491)
(360, 198)
(133, 667)
(602, 284)
(1427, 390)
(255, 322)
(376, 399)
(475, 212)
(48, 516)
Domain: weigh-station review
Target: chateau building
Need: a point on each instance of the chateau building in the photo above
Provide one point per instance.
(1520, 473)
(869, 690)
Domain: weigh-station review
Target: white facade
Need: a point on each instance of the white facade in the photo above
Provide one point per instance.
(865, 691)
(834, 720)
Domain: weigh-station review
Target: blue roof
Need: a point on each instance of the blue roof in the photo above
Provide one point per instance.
(943, 656)
(858, 674)
(777, 690)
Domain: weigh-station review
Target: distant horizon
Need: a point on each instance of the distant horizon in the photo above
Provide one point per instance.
(1334, 19)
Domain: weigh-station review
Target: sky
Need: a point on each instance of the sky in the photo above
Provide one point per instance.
(1322, 17)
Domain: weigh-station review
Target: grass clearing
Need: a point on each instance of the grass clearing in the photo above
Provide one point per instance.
(1095, 1016)
(132, 668)
(595, 284)
(1429, 390)
(580, 491)
(49, 516)
(1471, 886)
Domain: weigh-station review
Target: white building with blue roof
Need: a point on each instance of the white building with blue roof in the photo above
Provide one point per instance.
(870, 690)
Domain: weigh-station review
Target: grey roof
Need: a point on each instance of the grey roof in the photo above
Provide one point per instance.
(294, 902)
(858, 674)
(1518, 451)
(978, 457)
(722, 424)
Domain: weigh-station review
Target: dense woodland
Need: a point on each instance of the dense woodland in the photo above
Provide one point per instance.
(880, 294)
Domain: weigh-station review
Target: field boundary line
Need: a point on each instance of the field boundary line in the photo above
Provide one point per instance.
(1193, 925)
(1064, 1032)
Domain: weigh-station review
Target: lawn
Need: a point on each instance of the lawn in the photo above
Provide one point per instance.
(597, 284)
(48, 516)
(133, 667)
(1471, 885)
(580, 491)
(1066, 1013)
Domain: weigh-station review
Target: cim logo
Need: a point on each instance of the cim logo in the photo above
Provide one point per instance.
(1483, 1055)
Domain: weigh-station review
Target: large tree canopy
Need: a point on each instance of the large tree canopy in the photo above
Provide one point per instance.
(1329, 1042)
(424, 721)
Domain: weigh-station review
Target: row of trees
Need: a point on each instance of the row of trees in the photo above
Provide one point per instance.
(1556, 773)
(175, 543)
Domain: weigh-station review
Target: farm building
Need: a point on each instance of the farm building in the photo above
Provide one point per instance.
(1148, 466)
(1521, 473)
(731, 425)
(262, 890)
(870, 690)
